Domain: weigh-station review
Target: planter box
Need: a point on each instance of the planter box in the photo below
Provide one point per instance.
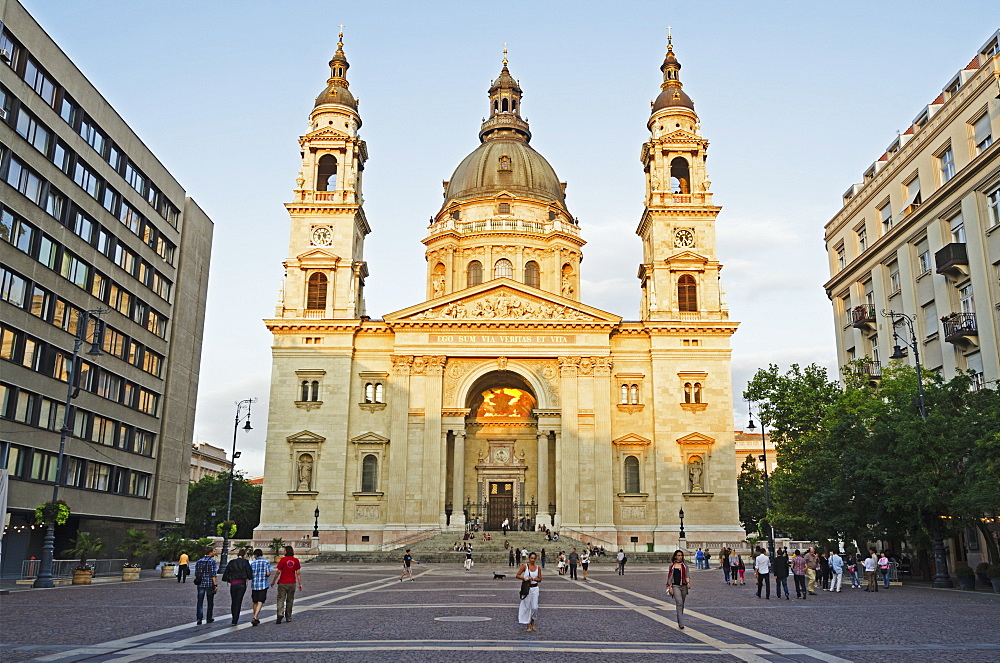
(167, 570)
(83, 577)
(996, 584)
(967, 583)
(130, 575)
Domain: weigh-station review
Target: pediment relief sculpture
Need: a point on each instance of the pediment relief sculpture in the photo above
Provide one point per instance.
(503, 307)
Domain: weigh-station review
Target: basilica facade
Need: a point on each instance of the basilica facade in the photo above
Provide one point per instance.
(502, 395)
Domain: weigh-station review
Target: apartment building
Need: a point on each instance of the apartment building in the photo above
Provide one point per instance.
(920, 235)
(90, 221)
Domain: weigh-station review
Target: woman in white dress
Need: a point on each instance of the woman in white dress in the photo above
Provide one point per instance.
(529, 573)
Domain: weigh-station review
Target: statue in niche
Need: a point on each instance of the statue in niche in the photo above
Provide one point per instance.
(305, 472)
(438, 287)
(567, 286)
(695, 472)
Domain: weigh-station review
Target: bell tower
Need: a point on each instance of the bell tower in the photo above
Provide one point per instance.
(680, 271)
(325, 271)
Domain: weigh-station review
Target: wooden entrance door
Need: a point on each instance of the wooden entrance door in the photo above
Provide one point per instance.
(500, 504)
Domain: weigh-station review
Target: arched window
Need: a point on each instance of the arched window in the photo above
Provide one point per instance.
(378, 393)
(634, 394)
(316, 291)
(304, 395)
(504, 106)
(474, 274)
(697, 392)
(496, 106)
(314, 392)
(631, 474)
(532, 275)
(503, 269)
(680, 176)
(624, 394)
(687, 293)
(369, 393)
(326, 173)
(688, 393)
(369, 474)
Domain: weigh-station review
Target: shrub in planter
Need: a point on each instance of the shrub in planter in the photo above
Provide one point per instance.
(85, 546)
(966, 577)
(136, 543)
(993, 573)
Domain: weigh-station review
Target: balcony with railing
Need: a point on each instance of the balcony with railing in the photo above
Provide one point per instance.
(505, 225)
(870, 369)
(863, 317)
(960, 328)
(952, 260)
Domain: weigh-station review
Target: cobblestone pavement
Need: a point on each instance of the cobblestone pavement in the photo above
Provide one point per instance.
(356, 612)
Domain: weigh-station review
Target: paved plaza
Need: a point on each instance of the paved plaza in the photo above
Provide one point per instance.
(359, 612)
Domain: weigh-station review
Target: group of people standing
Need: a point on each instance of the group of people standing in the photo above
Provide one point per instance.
(241, 572)
(809, 571)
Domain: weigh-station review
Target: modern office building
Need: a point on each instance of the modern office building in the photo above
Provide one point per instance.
(90, 220)
(920, 235)
(501, 395)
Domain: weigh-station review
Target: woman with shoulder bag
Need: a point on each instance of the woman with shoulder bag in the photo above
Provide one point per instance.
(678, 584)
(530, 574)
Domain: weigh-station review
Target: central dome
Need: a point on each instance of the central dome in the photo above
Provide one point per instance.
(505, 165)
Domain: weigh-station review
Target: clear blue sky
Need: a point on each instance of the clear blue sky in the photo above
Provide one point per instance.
(797, 100)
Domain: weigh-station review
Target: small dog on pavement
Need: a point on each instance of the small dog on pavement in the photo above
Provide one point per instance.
(498, 576)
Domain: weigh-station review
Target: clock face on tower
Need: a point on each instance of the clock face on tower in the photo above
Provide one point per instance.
(321, 236)
(683, 238)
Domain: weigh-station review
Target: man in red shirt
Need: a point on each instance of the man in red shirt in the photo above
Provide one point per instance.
(288, 576)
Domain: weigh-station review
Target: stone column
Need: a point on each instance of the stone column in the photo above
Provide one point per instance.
(542, 517)
(398, 399)
(603, 453)
(557, 516)
(458, 482)
(430, 490)
(568, 464)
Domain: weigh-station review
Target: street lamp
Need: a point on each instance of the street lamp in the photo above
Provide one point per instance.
(224, 558)
(316, 524)
(941, 578)
(44, 578)
(681, 535)
(767, 480)
(212, 521)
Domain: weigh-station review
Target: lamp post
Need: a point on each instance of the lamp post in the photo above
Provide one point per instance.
(44, 577)
(224, 558)
(941, 578)
(767, 479)
(316, 524)
(212, 521)
(681, 536)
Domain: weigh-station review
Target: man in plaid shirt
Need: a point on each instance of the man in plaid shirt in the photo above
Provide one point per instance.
(206, 571)
(258, 590)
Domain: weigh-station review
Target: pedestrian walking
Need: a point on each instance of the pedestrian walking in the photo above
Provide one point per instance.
(622, 558)
(574, 560)
(799, 575)
(836, 571)
(530, 575)
(505, 526)
(258, 589)
(780, 569)
(812, 563)
(407, 570)
(678, 584)
(699, 559)
(206, 571)
(724, 563)
(468, 558)
(734, 567)
(870, 572)
(824, 571)
(584, 563)
(238, 574)
(182, 567)
(852, 568)
(289, 577)
(517, 556)
(543, 558)
(883, 568)
(708, 560)
(762, 571)
(510, 559)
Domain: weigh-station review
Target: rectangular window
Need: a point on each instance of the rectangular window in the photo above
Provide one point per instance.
(41, 300)
(48, 252)
(74, 269)
(98, 475)
(912, 192)
(83, 227)
(982, 134)
(24, 180)
(946, 165)
(12, 288)
(114, 157)
(21, 234)
(974, 363)
(841, 257)
(923, 257)
(135, 178)
(862, 239)
(87, 180)
(31, 354)
(156, 323)
(42, 84)
(24, 409)
(43, 466)
(75, 472)
(33, 132)
(11, 49)
(885, 214)
(966, 300)
(148, 402)
(99, 286)
(109, 386)
(114, 342)
(894, 278)
(81, 423)
(60, 156)
(7, 343)
(993, 207)
(68, 110)
(90, 133)
(55, 203)
(957, 227)
(129, 217)
(143, 442)
(139, 484)
(103, 431)
(161, 286)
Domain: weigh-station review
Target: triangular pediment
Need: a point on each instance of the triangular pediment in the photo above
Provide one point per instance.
(502, 300)
(317, 258)
(697, 439)
(370, 438)
(687, 256)
(681, 136)
(631, 440)
(305, 437)
(327, 133)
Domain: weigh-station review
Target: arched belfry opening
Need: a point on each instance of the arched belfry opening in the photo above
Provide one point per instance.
(680, 175)
(496, 461)
(326, 173)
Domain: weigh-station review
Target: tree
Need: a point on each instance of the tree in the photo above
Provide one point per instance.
(211, 492)
(85, 546)
(136, 544)
(751, 489)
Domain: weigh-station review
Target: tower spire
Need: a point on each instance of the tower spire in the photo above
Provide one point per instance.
(336, 91)
(505, 119)
(672, 94)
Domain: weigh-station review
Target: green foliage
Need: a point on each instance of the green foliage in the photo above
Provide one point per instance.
(171, 546)
(859, 463)
(276, 545)
(993, 571)
(85, 546)
(136, 543)
(964, 570)
(52, 512)
(211, 492)
(751, 490)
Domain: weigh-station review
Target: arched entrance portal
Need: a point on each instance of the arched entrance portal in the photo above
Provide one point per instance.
(501, 453)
